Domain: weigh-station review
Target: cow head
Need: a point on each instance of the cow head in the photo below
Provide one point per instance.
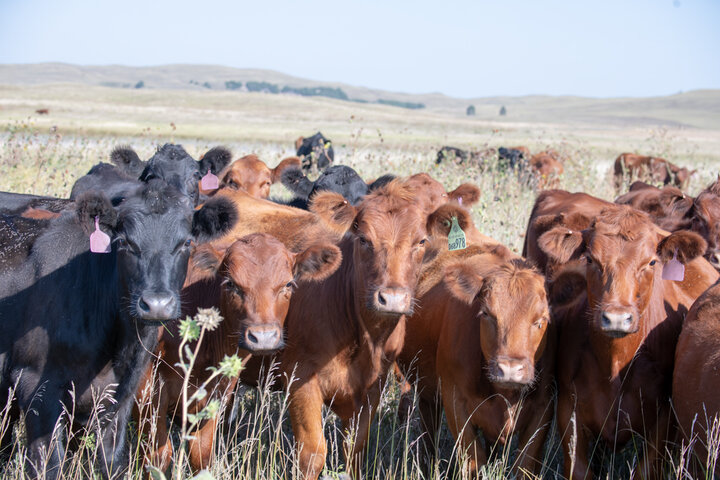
(508, 297)
(127, 161)
(432, 194)
(315, 150)
(251, 174)
(624, 255)
(175, 166)
(152, 232)
(258, 278)
(387, 240)
(705, 215)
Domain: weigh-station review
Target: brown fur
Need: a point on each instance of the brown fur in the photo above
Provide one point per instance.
(653, 168)
(252, 175)
(546, 169)
(39, 214)
(615, 385)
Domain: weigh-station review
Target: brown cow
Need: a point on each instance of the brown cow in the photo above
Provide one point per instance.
(614, 369)
(432, 194)
(251, 282)
(546, 169)
(343, 334)
(696, 380)
(480, 338)
(251, 174)
(672, 210)
(654, 168)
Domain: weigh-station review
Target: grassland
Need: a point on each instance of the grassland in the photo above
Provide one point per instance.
(44, 154)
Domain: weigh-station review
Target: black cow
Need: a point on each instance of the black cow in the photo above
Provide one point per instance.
(86, 323)
(511, 158)
(452, 154)
(315, 151)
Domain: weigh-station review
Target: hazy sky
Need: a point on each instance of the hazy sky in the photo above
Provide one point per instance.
(460, 48)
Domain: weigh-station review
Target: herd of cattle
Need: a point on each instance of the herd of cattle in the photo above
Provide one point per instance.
(611, 305)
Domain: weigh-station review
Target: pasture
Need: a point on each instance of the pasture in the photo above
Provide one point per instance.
(45, 154)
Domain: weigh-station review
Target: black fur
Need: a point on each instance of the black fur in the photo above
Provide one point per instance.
(313, 153)
(216, 217)
(215, 160)
(127, 160)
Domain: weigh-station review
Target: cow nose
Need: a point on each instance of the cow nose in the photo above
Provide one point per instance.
(512, 370)
(616, 322)
(157, 306)
(392, 300)
(262, 339)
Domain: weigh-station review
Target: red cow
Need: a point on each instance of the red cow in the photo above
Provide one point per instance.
(654, 168)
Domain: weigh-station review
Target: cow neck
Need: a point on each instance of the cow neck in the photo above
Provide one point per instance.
(615, 354)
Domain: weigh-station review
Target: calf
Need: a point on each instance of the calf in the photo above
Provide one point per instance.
(81, 324)
(481, 338)
(546, 170)
(618, 341)
(340, 350)
(513, 158)
(654, 168)
(452, 154)
(696, 379)
(316, 152)
(337, 178)
(251, 174)
(251, 282)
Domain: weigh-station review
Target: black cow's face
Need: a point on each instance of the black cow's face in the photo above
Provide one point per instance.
(175, 166)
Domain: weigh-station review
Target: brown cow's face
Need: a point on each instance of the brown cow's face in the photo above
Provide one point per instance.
(509, 300)
(249, 174)
(431, 194)
(706, 222)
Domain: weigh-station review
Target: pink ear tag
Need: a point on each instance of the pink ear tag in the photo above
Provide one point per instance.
(674, 270)
(99, 240)
(460, 201)
(209, 181)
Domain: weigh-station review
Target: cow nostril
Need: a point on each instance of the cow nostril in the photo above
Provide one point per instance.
(143, 305)
(381, 299)
(252, 338)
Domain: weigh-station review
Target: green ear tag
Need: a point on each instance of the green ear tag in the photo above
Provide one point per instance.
(456, 237)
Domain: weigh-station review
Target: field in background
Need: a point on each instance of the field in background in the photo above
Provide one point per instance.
(45, 154)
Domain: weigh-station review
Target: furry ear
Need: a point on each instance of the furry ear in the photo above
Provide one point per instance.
(466, 194)
(215, 160)
(463, 281)
(380, 182)
(561, 243)
(640, 185)
(206, 259)
(127, 161)
(687, 244)
(439, 222)
(334, 210)
(286, 163)
(93, 204)
(296, 181)
(317, 262)
(217, 217)
(298, 143)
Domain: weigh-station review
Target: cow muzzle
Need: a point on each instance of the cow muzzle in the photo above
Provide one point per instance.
(617, 324)
(393, 300)
(511, 372)
(262, 340)
(157, 306)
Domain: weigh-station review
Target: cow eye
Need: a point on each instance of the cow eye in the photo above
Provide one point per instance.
(540, 322)
(121, 242)
(423, 241)
(653, 262)
(589, 259)
(234, 289)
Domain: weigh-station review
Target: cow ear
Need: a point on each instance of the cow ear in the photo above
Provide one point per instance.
(206, 259)
(687, 244)
(463, 281)
(215, 160)
(439, 222)
(466, 194)
(561, 243)
(217, 217)
(298, 143)
(317, 263)
(127, 160)
(93, 204)
(286, 163)
(334, 210)
(381, 182)
(296, 181)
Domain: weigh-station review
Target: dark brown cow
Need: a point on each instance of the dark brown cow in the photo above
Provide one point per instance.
(251, 174)
(614, 368)
(654, 168)
(546, 169)
(343, 334)
(696, 380)
(672, 210)
(251, 282)
(480, 337)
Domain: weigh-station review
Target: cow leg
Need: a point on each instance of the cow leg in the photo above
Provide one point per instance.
(430, 416)
(573, 438)
(406, 395)
(305, 410)
(114, 454)
(462, 429)
(159, 448)
(201, 446)
(45, 452)
(650, 465)
(362, 432)
(532, 440)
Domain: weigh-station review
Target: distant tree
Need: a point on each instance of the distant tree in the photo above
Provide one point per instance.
(207, 85)
(262, 87)
(470, 110)
(140, 84)
(397, 103)
(233, 85)
(503, 112)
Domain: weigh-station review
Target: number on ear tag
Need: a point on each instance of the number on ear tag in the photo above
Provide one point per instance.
(456, 237)
(674, 270)
(209, 181)
(99, 240)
